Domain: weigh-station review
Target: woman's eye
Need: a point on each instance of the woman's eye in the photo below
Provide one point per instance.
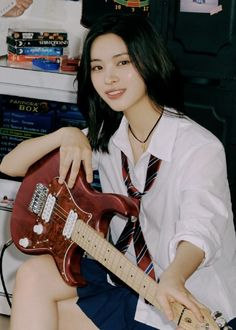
(96, 68)
(124, 62)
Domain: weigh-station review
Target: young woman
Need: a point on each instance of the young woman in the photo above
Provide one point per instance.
(129, 93)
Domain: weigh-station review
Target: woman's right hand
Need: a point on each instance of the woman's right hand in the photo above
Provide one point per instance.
(74, 149)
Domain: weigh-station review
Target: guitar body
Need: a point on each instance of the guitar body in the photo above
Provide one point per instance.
(33, 235)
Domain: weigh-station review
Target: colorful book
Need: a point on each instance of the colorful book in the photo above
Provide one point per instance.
(29, 58)
(45, 51)
(36, 42)
(37, 34)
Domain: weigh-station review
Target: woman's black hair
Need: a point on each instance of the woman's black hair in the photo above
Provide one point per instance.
(151, 58)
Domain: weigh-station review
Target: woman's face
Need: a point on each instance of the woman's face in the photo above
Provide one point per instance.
(114, 77)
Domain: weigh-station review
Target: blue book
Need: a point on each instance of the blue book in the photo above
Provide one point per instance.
(44, 51)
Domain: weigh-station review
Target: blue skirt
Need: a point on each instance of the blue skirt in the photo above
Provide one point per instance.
(108, 306)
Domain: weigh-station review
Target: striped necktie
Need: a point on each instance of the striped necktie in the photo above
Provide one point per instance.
(133, 229)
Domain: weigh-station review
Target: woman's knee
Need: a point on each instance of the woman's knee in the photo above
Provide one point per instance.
(34, 271)
(40, 275)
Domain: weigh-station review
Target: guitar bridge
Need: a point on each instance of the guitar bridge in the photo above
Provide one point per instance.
(38, 199)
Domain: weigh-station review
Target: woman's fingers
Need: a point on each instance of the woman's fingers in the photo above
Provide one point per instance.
(87, 163)
(70, 162)
(184, 298)
(74, 171)
(75, 148)
(68, 156)
(192, 304)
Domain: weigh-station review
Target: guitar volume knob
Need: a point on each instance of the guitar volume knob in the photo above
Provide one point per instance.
(38, 229)
(24, 242)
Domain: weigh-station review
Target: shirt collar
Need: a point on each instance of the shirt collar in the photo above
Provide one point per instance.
(162, 141)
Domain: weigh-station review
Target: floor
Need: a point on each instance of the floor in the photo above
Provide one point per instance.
(4, 322)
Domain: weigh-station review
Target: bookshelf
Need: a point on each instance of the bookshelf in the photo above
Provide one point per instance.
(28, 82)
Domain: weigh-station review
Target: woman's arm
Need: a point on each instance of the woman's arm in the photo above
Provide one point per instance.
(74, 148)
(172, 281)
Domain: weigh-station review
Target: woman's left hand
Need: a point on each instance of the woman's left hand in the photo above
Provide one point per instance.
(172, 289)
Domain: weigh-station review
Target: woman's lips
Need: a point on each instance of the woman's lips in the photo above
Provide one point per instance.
(115, 94)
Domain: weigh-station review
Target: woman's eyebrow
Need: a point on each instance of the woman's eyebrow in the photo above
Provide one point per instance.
(121, 54)
(114, 56)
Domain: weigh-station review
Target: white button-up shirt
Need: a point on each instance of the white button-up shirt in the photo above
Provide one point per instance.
(189, 201)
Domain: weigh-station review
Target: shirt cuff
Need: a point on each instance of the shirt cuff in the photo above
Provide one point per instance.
(210, 253)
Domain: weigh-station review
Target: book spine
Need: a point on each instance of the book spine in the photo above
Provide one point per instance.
(36, 42)
(28, 58)
(45, 35)
(45, 51)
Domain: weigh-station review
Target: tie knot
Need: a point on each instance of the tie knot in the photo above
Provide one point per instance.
(152, 170)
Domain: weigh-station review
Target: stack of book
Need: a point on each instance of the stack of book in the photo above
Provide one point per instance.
(25, 46)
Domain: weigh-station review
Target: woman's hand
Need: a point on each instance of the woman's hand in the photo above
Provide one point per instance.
(19, 8)
(74, 148)
(172, 289)
(188, 258)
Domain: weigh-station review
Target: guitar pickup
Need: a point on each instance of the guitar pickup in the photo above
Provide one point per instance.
(48, 208)
(70, 223)
(38, 199)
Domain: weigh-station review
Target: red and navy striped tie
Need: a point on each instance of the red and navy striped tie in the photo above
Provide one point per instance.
(133, 229)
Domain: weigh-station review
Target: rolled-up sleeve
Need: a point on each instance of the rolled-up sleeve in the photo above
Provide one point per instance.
(203, 200)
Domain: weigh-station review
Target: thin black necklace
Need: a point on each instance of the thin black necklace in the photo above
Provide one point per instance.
(144, 141)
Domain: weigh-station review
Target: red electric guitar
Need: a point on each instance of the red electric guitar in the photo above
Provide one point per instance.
(49, 218)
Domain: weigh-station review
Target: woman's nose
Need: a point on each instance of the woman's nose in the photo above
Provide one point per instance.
(111, 77)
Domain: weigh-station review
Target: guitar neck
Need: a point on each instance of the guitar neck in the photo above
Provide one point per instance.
(106, 254)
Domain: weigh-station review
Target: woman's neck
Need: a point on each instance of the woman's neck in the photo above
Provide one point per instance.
(140, 130)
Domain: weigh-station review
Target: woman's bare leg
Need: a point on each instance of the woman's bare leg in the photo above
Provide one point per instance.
(72, 318)
(39, 289)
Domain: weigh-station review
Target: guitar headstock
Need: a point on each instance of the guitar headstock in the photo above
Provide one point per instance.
(212, 321)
